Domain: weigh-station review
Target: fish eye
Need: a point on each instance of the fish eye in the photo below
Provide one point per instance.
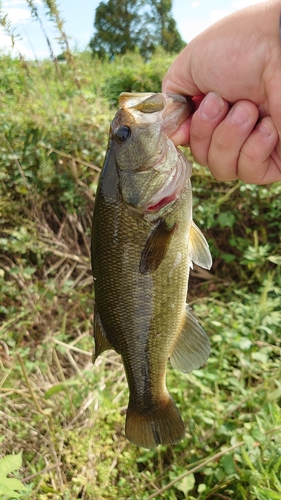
(122, 133)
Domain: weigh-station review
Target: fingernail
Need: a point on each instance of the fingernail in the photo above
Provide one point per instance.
(238, 115)
(264, 129)
(211, 106)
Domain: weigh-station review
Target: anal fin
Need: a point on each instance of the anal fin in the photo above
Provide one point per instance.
(101, 341)
(192, 347)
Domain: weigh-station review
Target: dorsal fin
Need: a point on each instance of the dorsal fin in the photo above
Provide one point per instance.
(198, 248)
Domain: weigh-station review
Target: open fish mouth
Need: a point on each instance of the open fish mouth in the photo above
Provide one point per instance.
(171, 188)
(158, 181)
(145, 107)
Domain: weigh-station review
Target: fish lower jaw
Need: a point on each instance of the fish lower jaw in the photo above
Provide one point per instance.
(173, 187)
(167, 194)
(162, 203)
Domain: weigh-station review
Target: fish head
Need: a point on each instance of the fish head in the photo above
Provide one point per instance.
(151, 170)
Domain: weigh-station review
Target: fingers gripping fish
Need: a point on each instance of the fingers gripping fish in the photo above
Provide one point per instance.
(143, 244)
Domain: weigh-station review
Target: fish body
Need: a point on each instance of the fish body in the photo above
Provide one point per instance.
(143, 244)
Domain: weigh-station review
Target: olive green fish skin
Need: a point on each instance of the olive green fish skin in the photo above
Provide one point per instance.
(140, 314)
(138, 311)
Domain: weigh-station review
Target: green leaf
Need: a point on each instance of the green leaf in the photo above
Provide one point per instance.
(243, 343)
(60, 387)
(4, 490)
(8, 485)
(201, 488)
(260, 356)
(276, 259)
(12, 483)
(265, 494)
(54, 390)
(245, 455)
(228, 257)
(274, 394)
(226, 219)
(228, 464)
(186, 484)
(10, 463)
(29, 270)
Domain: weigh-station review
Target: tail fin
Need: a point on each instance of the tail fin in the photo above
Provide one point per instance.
(161, 426)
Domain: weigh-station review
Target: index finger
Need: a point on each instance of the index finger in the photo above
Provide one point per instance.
(178, 79)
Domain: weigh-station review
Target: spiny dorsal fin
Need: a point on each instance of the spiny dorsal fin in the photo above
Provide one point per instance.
(101, 341)
(198, 248)
(192, 347)
(156, 247)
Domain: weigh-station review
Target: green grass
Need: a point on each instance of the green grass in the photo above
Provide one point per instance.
(67, 415)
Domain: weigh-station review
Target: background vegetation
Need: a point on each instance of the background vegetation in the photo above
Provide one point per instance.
(122, 26)
(61, 418)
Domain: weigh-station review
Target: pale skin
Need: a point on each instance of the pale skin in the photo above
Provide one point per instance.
(234, 71)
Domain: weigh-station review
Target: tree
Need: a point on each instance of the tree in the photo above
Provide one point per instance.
(169, 37)
(123, 25)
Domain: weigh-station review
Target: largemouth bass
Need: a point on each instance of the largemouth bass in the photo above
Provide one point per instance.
(143, 244)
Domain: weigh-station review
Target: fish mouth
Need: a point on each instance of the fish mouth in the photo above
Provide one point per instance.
(156, 182)
(172, 187)
(145, 108)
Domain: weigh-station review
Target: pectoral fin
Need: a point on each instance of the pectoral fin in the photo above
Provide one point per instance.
(101, 341)
(192, 347)
(156, 247)
(198, 248)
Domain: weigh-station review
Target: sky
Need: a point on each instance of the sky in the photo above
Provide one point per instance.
(192, 17)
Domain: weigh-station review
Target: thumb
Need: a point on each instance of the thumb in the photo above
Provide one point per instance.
(178, 79)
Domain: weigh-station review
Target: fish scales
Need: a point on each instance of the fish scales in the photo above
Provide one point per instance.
(141, 255)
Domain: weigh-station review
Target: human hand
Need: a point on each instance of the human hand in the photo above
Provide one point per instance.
(239, 58)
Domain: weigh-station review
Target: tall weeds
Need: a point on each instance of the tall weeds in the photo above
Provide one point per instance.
(65, 415)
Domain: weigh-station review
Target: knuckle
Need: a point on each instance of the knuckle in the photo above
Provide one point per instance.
(198, 135)
(249, 166)
(221, 145)
(248, 155)
(223, 174)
